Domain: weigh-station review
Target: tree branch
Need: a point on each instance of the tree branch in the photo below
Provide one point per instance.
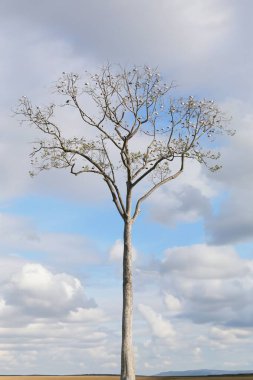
(148, 193)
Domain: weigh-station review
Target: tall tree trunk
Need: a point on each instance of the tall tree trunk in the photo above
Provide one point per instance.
(127, 354)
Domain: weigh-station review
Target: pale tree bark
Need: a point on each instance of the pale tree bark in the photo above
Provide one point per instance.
(127, 354)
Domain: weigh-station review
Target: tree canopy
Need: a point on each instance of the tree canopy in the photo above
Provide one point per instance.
(139, 128)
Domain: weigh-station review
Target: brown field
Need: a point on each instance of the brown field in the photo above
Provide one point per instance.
(116, 377)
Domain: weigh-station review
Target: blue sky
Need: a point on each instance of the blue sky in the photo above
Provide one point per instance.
(60, 236)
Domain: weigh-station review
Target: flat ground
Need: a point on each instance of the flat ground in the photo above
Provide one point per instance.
(108, 377)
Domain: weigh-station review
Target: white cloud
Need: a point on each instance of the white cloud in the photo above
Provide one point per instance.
(233, 223)
(223, 338)
(35, 80)
(175, 25)
(172, 303)
(86, 315)
(213, 284)
(197, 353)
(46, 317)
(9, 264)
(185, 199)
(160, 327)
(116, 251)
(20, 235)
(205, 262)
(179, 205)
(228, 336)
(39, 292)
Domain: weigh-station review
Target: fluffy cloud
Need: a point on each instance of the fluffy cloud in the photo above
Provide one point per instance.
(184, 204)
(205, 262)
(213, 284)
(34, 80)
(116, 251)
(206, 294)
(189, 198)
(82, 314)
(160, 327)
(185, 199)
(233, 223)
(20, 236)
(227, 336)
(172, 303)
(46, 316)
(38, 292)
(207, 25)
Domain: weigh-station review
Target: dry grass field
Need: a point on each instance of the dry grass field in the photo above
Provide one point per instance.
(108, 377)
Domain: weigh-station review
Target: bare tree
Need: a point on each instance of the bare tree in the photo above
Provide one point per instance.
(140, 130)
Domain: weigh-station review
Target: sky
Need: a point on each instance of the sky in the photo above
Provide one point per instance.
(60, 235)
